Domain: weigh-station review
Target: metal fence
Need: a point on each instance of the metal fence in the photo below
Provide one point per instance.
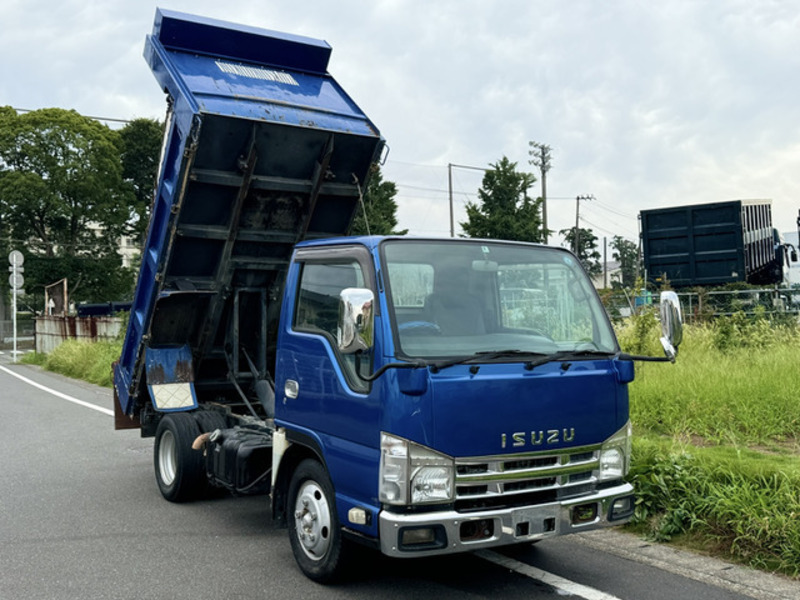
(52, 331)
(702, 305)
(767, 302)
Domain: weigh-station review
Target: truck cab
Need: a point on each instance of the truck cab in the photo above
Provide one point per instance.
(461, 417)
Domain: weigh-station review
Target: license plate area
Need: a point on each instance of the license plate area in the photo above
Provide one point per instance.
(534, 522)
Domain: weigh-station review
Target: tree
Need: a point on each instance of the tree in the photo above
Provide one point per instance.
(627, 254)
(587, 249)
(505, 210)
(380, 207)
(139, 152)
(63, 200)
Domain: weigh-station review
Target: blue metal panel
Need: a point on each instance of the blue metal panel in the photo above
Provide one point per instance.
(192, 33)
(354, 469)
(233, 88)
(326, 404)
(468, 414)
(169, 365)
(263, 149)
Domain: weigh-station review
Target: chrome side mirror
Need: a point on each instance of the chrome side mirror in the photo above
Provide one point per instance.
(356, 325)
(671, 324)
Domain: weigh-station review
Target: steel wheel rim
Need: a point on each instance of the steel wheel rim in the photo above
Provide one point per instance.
(312, 520)
(167, 458)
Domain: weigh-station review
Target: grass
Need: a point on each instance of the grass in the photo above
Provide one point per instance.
(725, 391)
(717, 439)
(741, 504)
(741, 397)
(80, 360)
(717, 435)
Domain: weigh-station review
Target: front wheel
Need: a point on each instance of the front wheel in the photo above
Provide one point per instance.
(180, 472)
(314, 531)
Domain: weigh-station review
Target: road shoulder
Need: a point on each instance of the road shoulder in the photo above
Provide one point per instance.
(736, 578)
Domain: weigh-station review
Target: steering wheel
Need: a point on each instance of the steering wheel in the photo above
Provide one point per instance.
(421, 327)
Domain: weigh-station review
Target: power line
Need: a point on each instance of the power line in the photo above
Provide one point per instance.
(112, 119)
(598, 227)
(450, 189)
(411, 164)
(429, 189)
(604, 206)
(417, 187)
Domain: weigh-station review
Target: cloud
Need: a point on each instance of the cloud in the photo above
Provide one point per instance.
(643, 104)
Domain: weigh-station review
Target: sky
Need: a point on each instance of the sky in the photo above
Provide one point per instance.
(643, 104)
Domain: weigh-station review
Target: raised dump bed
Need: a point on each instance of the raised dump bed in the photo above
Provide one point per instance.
(262, 149)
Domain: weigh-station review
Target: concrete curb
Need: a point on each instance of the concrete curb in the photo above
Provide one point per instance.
(736, 578)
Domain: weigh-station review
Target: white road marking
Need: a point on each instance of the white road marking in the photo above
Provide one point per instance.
(58, 394)
(561, 585)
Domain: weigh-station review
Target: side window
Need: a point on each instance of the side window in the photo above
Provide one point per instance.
(318, 298)
(318, 308)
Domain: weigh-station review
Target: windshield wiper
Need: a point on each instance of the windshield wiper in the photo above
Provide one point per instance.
(565, 355)
(484, 355)
(417, 364)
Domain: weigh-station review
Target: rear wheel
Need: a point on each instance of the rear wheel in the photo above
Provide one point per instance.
(180, 472)
(209, 420)
(314, 531)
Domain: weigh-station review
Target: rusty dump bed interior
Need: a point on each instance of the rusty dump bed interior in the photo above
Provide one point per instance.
(262, 149)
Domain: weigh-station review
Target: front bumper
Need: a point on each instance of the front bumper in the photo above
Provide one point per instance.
(446, 532)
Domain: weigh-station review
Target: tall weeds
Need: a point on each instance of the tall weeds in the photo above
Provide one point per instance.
(735, 381)
(740, 507)
(89, 361)
(715, 457)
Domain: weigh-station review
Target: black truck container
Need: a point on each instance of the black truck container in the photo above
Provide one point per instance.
(712, 244)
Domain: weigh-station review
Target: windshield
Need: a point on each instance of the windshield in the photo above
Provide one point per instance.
(452, 298)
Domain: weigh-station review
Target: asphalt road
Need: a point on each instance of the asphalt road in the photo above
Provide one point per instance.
(81, 517)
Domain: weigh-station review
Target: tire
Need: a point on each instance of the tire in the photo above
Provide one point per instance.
(180, 472)
(314, 531)
(209, 420)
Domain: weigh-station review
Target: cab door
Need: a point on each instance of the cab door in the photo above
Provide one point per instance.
(319, 391)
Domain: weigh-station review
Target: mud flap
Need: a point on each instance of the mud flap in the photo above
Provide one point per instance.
(170, 379)
(121, 420)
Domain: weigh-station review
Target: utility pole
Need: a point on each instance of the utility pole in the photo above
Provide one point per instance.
(450, 190)
(541, 159)
(577, 236)
(450, 195)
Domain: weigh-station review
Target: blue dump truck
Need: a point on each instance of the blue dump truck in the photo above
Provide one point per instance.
(714, 244)
(419, 396)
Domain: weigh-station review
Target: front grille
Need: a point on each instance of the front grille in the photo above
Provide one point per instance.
(524, 479)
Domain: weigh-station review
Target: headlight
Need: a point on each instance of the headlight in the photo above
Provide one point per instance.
(413, 474)
(615, 455)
